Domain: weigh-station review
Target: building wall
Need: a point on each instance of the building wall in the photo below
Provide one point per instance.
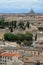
(4, 60)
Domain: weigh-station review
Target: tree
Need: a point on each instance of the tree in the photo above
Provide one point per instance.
(29, 36)
(7, 24)
(28, 24)
(11, 26)
(21, 24)
(11, 29)
(2, 23)
(9, 36)
(20, 37)
(27, 43)
(19, 42)
(35, 37)
(40, 28)
(14, 24)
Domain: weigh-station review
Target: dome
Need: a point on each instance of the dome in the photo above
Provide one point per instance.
(31, 12)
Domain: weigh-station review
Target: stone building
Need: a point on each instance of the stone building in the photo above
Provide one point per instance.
(5, 57)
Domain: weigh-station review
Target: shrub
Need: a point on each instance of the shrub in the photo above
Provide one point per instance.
(18, 37)
(40, 28)
(29, 36)
(9, 36)
(27, 43)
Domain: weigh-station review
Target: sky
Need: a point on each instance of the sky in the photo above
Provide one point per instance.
(21, 6)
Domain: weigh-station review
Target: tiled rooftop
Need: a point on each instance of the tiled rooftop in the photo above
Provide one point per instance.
(10, 54)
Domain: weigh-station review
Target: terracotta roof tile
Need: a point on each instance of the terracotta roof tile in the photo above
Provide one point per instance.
(10, 54)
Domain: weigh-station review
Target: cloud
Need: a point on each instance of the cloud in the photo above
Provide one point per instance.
(21, 4)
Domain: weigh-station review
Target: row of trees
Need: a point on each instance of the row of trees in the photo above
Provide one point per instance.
(13, 24)
(4, 24)
(25, 38)
(21, 24)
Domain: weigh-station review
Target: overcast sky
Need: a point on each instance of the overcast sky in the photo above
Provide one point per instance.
(20, 6)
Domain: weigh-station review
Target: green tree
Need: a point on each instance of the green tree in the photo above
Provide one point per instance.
(2, 23)
(29, 36)
(19, 42)
(7, 24)
(11, 30)
(9, 36)
(28, 24)
(14, 23)
(35, 37)
(20, 37)
(21, 24)
(40, 28)
(27, 43)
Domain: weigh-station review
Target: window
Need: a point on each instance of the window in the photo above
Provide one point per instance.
(8, 57)
(5, 60)
(5, 57)
(34, 52)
